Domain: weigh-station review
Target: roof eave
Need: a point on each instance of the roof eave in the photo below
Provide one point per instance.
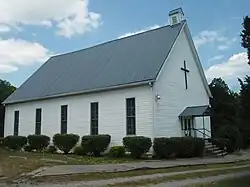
(83, 92)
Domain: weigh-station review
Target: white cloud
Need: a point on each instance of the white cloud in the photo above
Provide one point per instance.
(6, 68)
(227, 44)
(69, 17)
(218, 57)
(212, 36)
(4, 28)
(15, 53)
(235, 66)
(139, 31)
(222, 47)
(208, 36)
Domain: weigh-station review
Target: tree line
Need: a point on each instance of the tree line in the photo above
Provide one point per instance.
(231, 112)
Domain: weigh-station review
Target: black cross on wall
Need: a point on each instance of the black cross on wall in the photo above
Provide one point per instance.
(185, 72)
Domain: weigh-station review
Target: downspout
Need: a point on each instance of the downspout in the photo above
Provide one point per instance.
(153, 110)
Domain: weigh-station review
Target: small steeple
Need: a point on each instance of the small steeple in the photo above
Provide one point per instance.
(176, 16)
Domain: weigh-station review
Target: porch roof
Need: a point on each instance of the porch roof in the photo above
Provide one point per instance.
(196, 111)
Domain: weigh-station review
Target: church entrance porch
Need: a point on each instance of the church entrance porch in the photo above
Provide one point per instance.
(195, 123)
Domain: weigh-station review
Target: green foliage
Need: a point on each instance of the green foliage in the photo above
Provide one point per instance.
(95, 144)
(1, 142)
(51, 149)
(224, 104)
(79, 150)
(137, 145)
(65, 142)
(165, 148)
(199, 147)
(117, 151)
(245, 36)
(222, 143)
(244, 100)
(178, 147)
(233, 136)
(28, 148)
(5, 90)
(38, 142)
(15, 142)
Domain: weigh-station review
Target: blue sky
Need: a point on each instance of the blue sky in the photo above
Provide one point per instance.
(31, 31)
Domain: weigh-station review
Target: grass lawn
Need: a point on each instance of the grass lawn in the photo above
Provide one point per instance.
(99, 176)
(232, 182)
(12, 167)
(183, 177)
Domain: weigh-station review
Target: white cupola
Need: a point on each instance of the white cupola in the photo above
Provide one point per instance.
(176, 16)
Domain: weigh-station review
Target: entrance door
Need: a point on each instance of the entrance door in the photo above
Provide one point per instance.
(188, 127)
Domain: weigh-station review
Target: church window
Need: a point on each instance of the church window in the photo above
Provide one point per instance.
(131, 120)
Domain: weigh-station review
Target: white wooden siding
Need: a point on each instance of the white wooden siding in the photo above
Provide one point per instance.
(112, 114)
(171, 88)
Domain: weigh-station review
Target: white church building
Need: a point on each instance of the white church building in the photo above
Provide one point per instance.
(149, 84)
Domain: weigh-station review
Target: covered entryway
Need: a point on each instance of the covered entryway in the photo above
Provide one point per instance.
(192, 127)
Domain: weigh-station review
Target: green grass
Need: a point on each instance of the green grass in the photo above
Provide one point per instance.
(180, 177)
(232, 182)
(103, 175)
(13, 167)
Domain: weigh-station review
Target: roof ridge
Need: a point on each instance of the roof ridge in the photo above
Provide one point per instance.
(117, 39)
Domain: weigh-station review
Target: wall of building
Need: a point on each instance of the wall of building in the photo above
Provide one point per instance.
(112, 114)
(170, 86)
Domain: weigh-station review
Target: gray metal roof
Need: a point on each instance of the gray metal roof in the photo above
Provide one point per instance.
(196, 111)
(177, 10)
(123, 61)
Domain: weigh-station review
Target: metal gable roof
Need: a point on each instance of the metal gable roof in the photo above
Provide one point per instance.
(123, 61)
(196, 111)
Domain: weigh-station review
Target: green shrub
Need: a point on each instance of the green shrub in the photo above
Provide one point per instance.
(178, 147)
(185, 147)
(28, 148)
(199, 147)
(137, 145)
(2, 142)
(51, 149)
(165, 148)
(38, 142)
(15, 142)
(222, 143)
(95, 144)
(65, 142)
(232, 134)
(117, 151)
(79, 150)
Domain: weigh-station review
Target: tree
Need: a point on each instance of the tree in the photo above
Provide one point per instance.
(244, 100)
(224, 104)
(245, 36)
(5, 90)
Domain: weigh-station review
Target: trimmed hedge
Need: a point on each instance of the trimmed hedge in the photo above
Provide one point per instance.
(1, 142)
(165, 148)
(117, 151)
(79, 150)
(137, 145)
(38, 142)
(15, 142)
(199, 147)
(178, 147)
(28, 148)
(95, 144)
(51, 149)
(65, 142)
